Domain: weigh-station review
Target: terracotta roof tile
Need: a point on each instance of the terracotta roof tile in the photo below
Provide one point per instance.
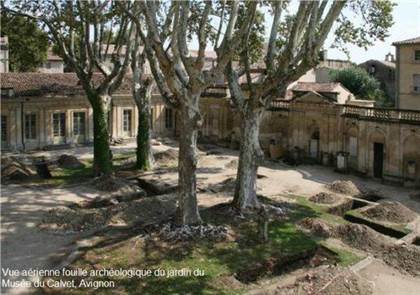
(415, 40)
(37, 84)
(316, 87)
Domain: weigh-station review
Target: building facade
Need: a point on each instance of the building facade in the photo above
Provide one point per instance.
(408, 74)
(40, 110)
(53, 64)
(384, 72)
(4, 54)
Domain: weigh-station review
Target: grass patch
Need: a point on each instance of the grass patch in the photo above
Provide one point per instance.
(321, 211)
(221, 263)
(345, 257)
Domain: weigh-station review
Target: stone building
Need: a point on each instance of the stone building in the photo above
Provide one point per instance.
(323, 123)
(40, 110)
(53, 64)
(408, 73)
(384, 72)
(4, 54)
(316, 122)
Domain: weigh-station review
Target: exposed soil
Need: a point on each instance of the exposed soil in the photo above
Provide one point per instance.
(342, 207)
(405, 258)
(390, 212)
(324, 198)
(69, 162)
(325, 279)
(153, 209)
(73, 220)
(344, 187)
(362, 237)
(316, 227)
(14, 170)
(166, 157)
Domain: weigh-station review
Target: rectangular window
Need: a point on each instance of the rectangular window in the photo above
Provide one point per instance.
(59, 124)
(3, 128)
(30, 126)
(168, 118)
(127, 120)
(417, 55)
(79, 119)
(416, 83)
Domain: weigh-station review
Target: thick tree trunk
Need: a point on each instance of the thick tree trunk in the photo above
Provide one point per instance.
(249, 159)
(187, 165)
(102, 163)
(144, 155)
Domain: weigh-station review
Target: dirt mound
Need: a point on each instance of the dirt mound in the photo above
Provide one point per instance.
(74, 220)
(403, 257)
(362, 237)
(343, 187)
(316, 227)
(69, 162)
(329, 280)
(390, 212)
(166, 156)
(323, 198)
(13, 169)
(148, 210)
(115, 190)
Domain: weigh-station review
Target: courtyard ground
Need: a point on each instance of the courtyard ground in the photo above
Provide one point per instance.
(23, 207)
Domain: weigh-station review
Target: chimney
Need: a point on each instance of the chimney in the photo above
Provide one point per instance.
(389, 57)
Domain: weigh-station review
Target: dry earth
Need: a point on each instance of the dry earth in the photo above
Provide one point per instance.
(22, 208)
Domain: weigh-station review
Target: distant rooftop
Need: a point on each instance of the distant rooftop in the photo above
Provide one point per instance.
(317, 87)
(40, 84)
(415, 40)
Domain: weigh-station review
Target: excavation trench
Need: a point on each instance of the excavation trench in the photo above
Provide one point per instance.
(277, 266)
(356, 203)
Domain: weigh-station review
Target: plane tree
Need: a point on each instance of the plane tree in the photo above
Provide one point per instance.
(166, 29)
(82, 32)
(297, 35)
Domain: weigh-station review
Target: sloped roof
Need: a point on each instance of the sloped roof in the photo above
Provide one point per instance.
(37, 84)
(316, 87)
(415, 40)
(386, 63)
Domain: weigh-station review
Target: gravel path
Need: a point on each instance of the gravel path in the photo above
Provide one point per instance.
(23, 245)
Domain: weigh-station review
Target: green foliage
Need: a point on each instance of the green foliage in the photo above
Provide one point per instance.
(28, 44)
(359, 82)
(376, 20)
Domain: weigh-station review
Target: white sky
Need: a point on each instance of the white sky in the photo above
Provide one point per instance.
(406, 26)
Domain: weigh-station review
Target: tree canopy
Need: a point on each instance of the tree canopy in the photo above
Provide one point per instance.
(28, 44)
(359, 82)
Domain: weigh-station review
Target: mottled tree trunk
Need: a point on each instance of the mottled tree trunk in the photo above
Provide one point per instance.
(102, 163)
(187, 165)
(249, 158)
(144, 155)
